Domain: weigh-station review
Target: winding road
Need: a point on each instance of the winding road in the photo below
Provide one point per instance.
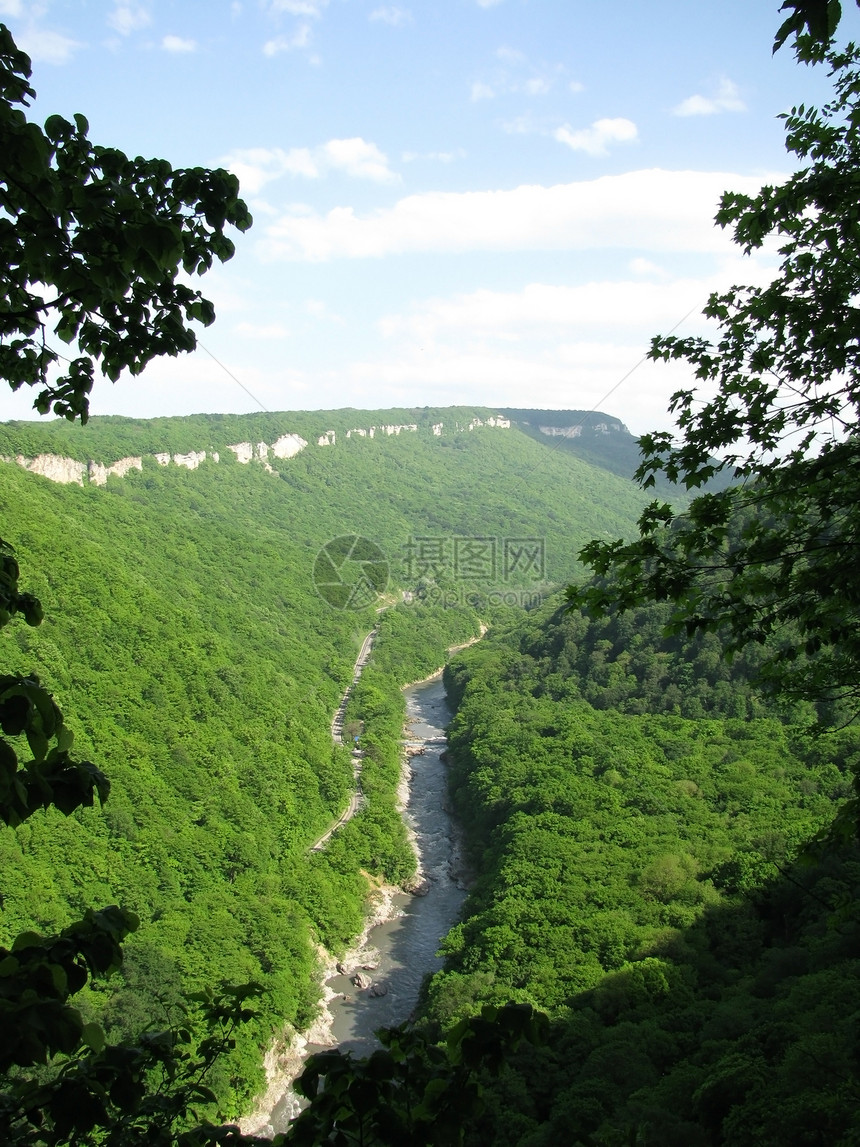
(337, 736)
(355, 800)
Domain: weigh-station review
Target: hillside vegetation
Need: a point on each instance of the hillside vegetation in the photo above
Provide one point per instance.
(197, 664)
(640, 821)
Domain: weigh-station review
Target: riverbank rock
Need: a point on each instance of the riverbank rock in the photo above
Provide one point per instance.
(343, 969)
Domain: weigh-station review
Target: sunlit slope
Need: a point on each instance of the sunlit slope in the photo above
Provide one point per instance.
(198, 665)
(486, 482)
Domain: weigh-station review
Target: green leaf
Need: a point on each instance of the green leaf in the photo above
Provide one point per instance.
(93, 1037)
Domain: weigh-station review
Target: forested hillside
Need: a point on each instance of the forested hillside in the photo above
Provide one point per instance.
(640, 820)
(199, 667)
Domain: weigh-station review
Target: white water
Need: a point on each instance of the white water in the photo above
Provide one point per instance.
(404, 946)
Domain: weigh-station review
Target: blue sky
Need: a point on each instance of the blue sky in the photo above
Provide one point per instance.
(463, 201)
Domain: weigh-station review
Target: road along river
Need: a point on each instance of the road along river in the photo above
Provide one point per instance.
(401, 951)
(397, 953)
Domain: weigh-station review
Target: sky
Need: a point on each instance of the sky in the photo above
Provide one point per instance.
(492, 202)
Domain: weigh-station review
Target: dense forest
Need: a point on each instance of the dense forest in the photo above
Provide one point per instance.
(640, 820)
(196, 663)
(657, 774)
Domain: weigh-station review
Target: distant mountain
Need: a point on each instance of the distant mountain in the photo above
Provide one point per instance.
(596, 438)
(587, 434)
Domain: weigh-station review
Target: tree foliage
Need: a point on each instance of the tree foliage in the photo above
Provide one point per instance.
(812, 23)
(416, 1089)
(642, 876)
(91, 247)
(771, 559)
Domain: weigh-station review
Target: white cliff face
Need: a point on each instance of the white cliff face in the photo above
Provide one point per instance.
(561, 431)
(244, 451)
(360, 432)
(66, 470)
(99, 474)
(613, 427)
(55, 467)
(190, 461)
(288, 445)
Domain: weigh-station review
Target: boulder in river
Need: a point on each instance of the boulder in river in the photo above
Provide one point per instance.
(378, 990)
(419, 887)
(361, 981)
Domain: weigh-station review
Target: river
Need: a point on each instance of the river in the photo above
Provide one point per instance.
(401, 951)
(405, 947)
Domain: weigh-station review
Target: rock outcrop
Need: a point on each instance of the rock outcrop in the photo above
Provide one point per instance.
(59, 469)
(55, 467)
(99, 474)
(288, 445)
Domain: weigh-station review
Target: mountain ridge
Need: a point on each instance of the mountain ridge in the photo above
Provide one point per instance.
(108, 441)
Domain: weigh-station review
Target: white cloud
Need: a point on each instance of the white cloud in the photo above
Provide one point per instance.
(434, 156)
(575, 86)
(318, 309)
(488, 3)
(508, 77)
(10, 8)
(128, 18)
(646, 210)
(311, 8)
(727, 99)
(520, 125)
(299, 39)
(396, 17)
(177, 44)
(262, 330)
(541, 310)
(45, 47)
(537, 86)
(578, 375)
(594, 140)
(261, 207)
(552, 345)
(257, 166)
(358, 158)
(641, 266)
